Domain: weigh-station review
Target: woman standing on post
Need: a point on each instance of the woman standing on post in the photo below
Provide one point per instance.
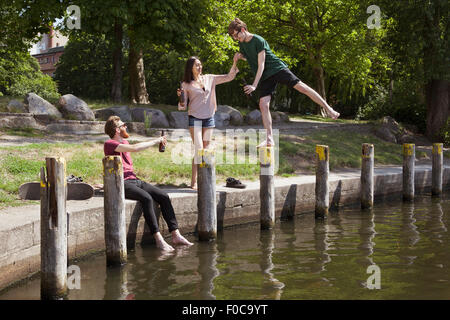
(200, 98)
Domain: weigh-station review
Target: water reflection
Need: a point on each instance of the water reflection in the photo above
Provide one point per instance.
(273, 286)
(116, 284)
(435, 224)
(207, 261)
(299, 259)
(322, 245)
(366, 236)
(410, 235)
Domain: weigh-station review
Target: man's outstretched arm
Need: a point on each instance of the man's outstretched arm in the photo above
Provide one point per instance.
(261, 64)
(139, 146)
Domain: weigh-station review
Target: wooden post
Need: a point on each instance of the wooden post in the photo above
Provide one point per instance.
(114, 206)
(322, 188)
(437, 170)
(53, 230)
(266, 187)
(367, 164)
(409, 156)
(206, 199)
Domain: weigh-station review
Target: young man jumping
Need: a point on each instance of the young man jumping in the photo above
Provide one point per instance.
(268, 70)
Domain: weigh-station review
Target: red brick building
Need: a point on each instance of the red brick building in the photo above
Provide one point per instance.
(49, 59)
(48, 51)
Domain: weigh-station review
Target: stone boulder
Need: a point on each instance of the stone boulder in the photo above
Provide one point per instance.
(221, 119)
(74, 108)
(385, 134)
(253, 117)
(19, 122)
(38, 105)
(158, 118)
(391, 131)
(15, 106)
(278, 116)
(391, 124)
(124, 112)
(137, 127)
(406, 138)
(236, 118)
(178, 119)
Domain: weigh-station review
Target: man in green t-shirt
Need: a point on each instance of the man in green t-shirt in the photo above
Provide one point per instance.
(268, 70)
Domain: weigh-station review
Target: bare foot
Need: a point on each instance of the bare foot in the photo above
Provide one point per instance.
(178, 239)
(333, 114)
(161, 243)
(266, 143)
(164, 246)
(194, 186)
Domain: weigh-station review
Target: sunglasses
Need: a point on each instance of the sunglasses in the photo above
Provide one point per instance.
(235, 36)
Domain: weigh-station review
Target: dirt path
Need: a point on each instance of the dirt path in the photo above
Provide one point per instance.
(294, 127)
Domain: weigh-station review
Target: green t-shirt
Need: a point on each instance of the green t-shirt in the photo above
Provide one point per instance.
(250, 51)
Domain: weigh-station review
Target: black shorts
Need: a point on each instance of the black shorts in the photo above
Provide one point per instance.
(267, 87)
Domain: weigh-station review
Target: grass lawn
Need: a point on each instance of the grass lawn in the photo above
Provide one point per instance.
(22, 164)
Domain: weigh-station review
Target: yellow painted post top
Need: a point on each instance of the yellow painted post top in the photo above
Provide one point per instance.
(437, 148)
(408, 149)
(266, 155)
(116, 161)
(366, 147)
(322, 152)
(207, 156)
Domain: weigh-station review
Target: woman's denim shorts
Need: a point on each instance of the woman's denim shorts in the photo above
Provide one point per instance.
(204, 123)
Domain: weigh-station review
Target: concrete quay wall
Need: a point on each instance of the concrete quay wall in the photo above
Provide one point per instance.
(20, 226)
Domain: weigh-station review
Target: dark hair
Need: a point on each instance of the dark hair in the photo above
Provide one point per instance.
(110, 126)
(236, 25)
(188, 76)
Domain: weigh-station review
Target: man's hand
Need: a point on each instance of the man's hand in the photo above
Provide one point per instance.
(181, 106)
(163, 140)
(238, 56)
(249, 89)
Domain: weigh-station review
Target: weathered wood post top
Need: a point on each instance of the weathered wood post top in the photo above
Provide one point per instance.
(53, 193)
(206, 199)
(267, 187)
(322, 187)
(114, 208)
(367, 179)
(437, 169)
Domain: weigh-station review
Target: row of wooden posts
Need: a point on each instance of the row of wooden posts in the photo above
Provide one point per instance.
(54, 194)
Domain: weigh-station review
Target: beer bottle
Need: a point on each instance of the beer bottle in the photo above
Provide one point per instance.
(162, 147)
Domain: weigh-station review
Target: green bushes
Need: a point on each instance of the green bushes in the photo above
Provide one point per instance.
(20, 74)
(85, 68)
(406, 106)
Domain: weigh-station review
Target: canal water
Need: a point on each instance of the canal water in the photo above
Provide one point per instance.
(409, 244)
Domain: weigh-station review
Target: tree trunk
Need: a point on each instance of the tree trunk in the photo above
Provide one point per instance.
(437, 96)
(320, 87)
(116, 91)
(138, 90)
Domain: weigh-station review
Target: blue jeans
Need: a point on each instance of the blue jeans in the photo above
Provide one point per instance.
(205, 123)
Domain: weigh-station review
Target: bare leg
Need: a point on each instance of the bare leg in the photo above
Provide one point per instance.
(178, 239)
(161, 243)
(314, 96)
(196, 136)
(264, 104)
(207, 137)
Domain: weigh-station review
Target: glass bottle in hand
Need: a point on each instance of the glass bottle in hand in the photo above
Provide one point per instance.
(162, 147)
